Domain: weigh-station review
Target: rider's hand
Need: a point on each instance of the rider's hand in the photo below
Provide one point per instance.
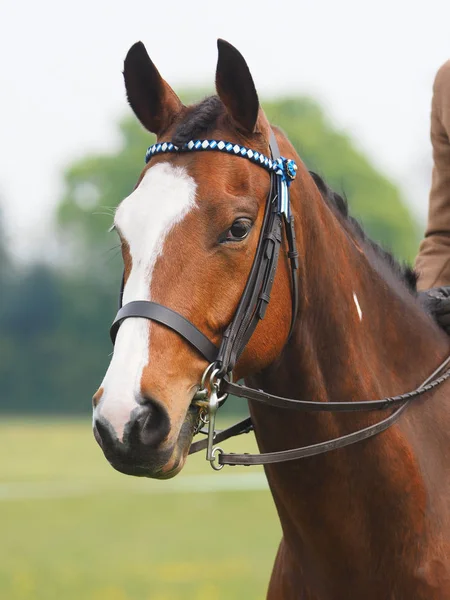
(436, 301)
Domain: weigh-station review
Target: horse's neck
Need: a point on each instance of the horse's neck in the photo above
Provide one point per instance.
(357, 322)
(360, 335)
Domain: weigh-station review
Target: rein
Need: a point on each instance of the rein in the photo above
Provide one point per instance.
(246, 425)
(251, 309)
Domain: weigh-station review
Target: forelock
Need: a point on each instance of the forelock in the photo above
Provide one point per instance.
(200, 119)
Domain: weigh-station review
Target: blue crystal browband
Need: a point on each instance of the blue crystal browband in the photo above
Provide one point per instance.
(285, 168)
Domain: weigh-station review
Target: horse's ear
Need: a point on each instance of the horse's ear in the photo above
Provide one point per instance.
(152, 99)
(235, 87)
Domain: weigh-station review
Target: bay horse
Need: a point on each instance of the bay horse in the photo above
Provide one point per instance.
(368, 521)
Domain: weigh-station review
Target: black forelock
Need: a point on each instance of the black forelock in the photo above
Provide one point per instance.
(201, 118)
(340, 204)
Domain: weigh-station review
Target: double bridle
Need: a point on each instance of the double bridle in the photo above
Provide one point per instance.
(216, 382)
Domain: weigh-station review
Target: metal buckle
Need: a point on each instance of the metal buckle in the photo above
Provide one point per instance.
(201, 395)
(208, 399)
(216, 466)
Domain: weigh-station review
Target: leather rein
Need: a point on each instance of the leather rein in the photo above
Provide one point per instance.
(216, 384)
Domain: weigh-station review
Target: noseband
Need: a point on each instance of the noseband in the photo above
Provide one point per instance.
(216, 384)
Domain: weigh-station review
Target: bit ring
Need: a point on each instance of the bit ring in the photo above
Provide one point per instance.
(216, 466)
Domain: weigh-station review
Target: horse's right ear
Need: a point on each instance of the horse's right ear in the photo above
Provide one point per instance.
(235, 87)
(152, 99)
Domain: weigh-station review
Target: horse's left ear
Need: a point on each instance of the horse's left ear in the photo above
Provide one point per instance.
(152, 99)
(235, 87)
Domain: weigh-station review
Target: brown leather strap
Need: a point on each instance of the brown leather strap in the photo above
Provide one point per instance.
(169, 318)
(357, 436)
(306, 451)
(314, 449)
(256, 295)
(244, 426)
(243, 391)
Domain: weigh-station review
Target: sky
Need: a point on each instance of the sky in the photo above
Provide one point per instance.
(370, 64)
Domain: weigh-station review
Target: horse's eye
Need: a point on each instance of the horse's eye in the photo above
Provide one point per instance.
(238, 231)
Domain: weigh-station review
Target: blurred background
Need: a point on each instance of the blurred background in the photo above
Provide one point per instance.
(349, 82)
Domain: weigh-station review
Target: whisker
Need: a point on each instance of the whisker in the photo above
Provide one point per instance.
(111, 249)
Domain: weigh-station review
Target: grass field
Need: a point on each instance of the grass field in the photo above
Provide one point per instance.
(72, 528)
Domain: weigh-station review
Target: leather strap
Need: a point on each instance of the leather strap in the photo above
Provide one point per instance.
(255, 298)
(244, 426)
(293, 257)
(314, 449)
(259, 299)
(273, 145)
(286, 455)
(244, 317)
(357, 436)
(243, 391)
(169, 318)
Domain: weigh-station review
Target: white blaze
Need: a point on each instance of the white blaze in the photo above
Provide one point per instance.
(358, 308)
(162, 199)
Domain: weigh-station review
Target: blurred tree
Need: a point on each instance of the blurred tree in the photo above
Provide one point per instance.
(94, 187)
(53, 341)
(5, 262)
(374, 199)
(52, 336)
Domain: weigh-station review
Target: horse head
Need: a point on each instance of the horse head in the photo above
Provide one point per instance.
(189, 232)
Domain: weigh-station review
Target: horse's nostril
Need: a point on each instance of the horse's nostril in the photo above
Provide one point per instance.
(103, 433)
(151, 426)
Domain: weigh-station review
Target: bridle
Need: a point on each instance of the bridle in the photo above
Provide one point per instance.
(216, 382)
(256, 295)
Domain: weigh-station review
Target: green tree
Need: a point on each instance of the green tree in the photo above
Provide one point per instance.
(374, 199)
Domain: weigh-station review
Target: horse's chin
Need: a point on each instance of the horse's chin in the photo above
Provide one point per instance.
(167, 468)
(176, 462)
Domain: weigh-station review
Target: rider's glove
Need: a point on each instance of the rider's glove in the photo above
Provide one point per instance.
(436, 301)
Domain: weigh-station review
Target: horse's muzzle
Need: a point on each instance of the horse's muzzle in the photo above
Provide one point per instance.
(140, 450)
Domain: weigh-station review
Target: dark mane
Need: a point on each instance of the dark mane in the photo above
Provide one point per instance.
(340, 205)
(201, 118)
